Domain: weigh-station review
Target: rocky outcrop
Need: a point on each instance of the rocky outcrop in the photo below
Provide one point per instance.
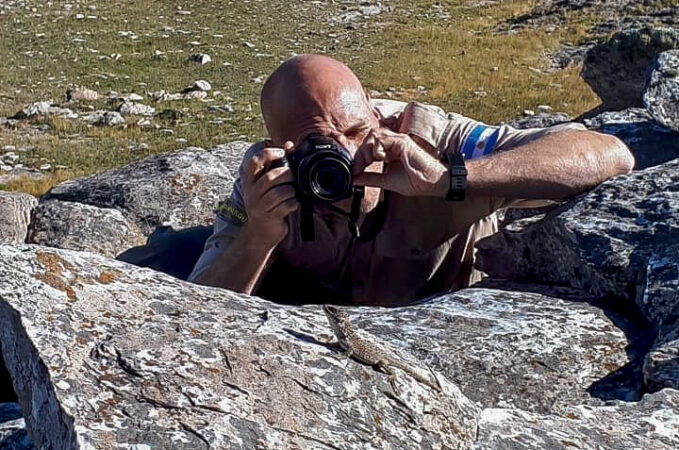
(15, 215)
(620, 241)
(650, 424)
(169, 364)
(179, 189)
(78, 226)
(617, 69)
(13, 435)
(662, 93)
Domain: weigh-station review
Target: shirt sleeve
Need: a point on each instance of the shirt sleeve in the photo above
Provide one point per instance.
(229, 218)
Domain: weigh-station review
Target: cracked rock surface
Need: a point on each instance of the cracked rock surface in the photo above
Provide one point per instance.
(151, 360)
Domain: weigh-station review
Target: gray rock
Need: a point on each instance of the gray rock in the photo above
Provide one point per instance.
(527, 346)
(129, 97)
(541, 120)
(200, 85)
(44, 108)
(618, 241)
(15, 216)
(200, 58)
(78, 226)
(650, 142)
(157, 362)
(662, 93)
(650, 425)
(13, 435)
(179, 189)
(108, 119)
(136, 109)
(80, 93)
(617, 70)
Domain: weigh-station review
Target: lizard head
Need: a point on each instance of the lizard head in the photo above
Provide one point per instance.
(335, 314)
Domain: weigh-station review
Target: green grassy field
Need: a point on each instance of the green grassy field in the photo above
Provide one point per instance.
(448, 47)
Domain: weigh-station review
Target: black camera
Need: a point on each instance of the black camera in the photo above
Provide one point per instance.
(322, 169)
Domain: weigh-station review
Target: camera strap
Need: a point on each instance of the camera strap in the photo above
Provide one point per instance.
(359, 193)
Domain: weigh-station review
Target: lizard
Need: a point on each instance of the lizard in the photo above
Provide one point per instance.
(370, 353)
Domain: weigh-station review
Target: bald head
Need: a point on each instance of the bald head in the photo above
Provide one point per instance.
(308, 92)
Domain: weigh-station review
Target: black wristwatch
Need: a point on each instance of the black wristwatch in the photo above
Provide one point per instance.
(458, 178)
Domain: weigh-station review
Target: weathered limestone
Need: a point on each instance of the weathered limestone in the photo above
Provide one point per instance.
(151, 360)
(78, 226)
(180, 189)
(662, 93)
(617, 69)
(15, 215)
(652, 424)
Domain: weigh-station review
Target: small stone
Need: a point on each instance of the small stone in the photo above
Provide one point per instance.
(194, 43)
(195, 95)
(110, 119)
(10, 158)
(222, 108)
(494, 69)
(248, 44)
(9, 148)
(201, 85)
(544, 109)
(168, 131)
(79, 93)
(528, 112)
(136, 109)
(258, 80)
(79, 16)
(46, 167)
(143, 123)
(181, 141)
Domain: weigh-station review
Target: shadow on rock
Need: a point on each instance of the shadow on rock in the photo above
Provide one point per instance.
(170, 251)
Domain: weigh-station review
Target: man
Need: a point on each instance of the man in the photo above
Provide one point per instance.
(415, 243)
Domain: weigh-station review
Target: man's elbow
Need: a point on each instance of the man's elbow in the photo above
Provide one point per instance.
(618, 156)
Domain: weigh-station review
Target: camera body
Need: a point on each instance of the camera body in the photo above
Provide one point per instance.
(322, 169)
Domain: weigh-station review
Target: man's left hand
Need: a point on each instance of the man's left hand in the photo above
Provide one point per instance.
(409, 170)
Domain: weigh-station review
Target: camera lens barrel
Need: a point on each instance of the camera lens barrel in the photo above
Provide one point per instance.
(322, 169)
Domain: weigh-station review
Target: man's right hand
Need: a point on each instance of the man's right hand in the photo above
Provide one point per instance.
(269, 196)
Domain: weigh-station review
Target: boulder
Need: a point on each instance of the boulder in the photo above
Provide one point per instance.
(541, 120)
(618, 241)
(651, 424)
(107, 355)
(44, 108)
(166, 364)
(617, 70)
(136, 109)
(108, 119)
(13, 435)
(15, 216)
(81, 93)
(650, 142)
(662, 93)
(179, 189)
(79, 226)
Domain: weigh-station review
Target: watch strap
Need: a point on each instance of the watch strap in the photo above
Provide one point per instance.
(458, 178)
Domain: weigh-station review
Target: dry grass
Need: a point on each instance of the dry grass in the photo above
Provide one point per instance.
(47, 49)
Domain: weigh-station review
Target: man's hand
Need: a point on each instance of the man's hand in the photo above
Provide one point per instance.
(409, 170)
(269, 196)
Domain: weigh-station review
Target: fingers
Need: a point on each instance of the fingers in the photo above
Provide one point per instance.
(277, 196)
(256, 165)
(373, 179)
(371, 150)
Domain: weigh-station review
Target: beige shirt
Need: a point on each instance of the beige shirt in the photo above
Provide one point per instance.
(425, 246)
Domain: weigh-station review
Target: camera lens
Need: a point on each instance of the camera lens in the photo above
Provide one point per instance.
(330, 179)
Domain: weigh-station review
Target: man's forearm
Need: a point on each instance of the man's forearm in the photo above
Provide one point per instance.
(555, 166)
(241, 266)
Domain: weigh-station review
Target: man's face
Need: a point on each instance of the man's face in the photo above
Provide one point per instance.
(347, 119)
